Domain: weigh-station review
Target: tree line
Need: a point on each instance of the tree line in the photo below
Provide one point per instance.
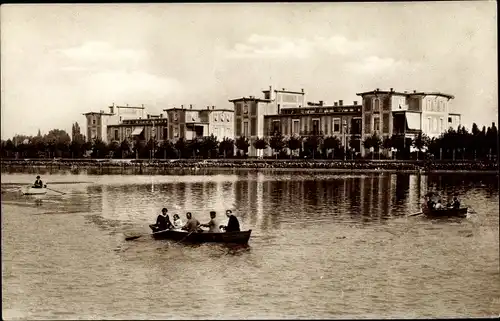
(452, 144)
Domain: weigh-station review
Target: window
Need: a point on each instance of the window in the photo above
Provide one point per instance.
(215, 117)
(175, 116)
(429, 127)
(434, 125)
(377, 105)
(296, 126)
(336, 125)
(315, 126)
(245, 109)
(227, 118)
(129, 132)
(93, 121)
(449, 119)
(245, 128)
(94, 133)
(116, 134)
(165, 133)
(441, 124)
(376, 124)
(275, 127)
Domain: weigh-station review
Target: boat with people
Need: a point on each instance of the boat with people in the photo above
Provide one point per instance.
(30, 190)
(445, 212)
(240, 237)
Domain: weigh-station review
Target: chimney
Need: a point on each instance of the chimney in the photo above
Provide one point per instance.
(321, 103)
(377, 89)
(182, 106)
(142, 105)
(406, 91)
(190, 106)
(355, 102)
(161, 115)
(213, 107)
(147, 116)
(335, 103)
(414, 91)
(302, 89)
(270, 88)
(127, 105)
(392, 89)
(341, 102)
(208, 107)
(283, 89)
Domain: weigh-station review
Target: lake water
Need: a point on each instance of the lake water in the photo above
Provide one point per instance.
(322, 246)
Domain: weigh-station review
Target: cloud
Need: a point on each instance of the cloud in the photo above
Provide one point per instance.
(94, 55)
(375, 65)
(260, 46)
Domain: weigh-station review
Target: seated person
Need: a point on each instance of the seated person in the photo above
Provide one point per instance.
(212, 225)
(192, 224)
(162, 221)
(232, 225)
(178, 223)
(439, 206)
(38, 183)
(455, 204)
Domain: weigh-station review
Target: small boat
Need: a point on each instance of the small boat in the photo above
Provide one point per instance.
(445, 212)
(35, 191)
(202, 237)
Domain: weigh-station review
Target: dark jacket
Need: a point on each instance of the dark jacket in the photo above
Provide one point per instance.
(233, 225)
(38, 183)
(163, 222)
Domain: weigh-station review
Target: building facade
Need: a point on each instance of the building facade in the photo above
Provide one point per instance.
(388, 113)
(98, 122)
(152, 127)
(189, 123)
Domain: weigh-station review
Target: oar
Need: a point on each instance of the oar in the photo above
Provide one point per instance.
(414, 214)
(130, 238)
(185, 237)
(54, 190)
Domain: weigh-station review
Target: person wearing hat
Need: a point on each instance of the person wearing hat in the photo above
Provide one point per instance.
(162, 221)
(38, 182)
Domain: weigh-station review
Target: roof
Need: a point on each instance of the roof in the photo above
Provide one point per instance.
(250, 99)
(131, 107)
(455, 114)
(287, 91)
(415, 93)
(98, 113)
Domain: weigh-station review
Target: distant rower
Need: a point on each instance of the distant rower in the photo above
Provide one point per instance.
(38, 183)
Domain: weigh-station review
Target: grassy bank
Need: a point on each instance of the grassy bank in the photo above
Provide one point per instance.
(281, 164)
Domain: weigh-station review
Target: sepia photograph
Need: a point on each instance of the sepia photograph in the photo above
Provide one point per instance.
(197, 161)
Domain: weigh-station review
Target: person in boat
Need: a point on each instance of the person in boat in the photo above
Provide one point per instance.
(212, 225)
(38, 183)
(178, 224)
(232, 225)
(192, 224)
(439, 206)
(163, 221)
(455, 204)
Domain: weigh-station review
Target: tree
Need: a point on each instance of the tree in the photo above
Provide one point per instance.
(114, 149)
(387, 143)
(209, 145)
(277, 143)
(124, 148)
(166, 150)
(311, 144)
(242, 144)
(99, 149)
(420, 142)
(151, 147)
(294, 143)
(331, 143)
(226, 147)
(180, 145)
(374, 142)
(260, 144)
(57, 142)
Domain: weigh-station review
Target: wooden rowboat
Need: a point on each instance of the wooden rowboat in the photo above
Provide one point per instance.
(203, 237)
(35, 191)
(445, 212)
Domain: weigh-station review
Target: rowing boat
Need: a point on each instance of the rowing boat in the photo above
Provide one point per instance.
(35, 191)
(445, 212)
(203, 237)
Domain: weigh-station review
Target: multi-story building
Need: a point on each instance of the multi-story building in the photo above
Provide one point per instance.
(338, 120)
(97, 122)
(402, 113)
(152, 127)
(196, 123)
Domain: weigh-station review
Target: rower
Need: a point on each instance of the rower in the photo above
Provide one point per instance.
(212, 225)
(455, 204)
(192, 224)
(38, 183)
(232, 225)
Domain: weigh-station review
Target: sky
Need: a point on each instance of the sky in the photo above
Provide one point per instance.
(59, 61)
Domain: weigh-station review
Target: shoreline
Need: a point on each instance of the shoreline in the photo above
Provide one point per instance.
(333, 166)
